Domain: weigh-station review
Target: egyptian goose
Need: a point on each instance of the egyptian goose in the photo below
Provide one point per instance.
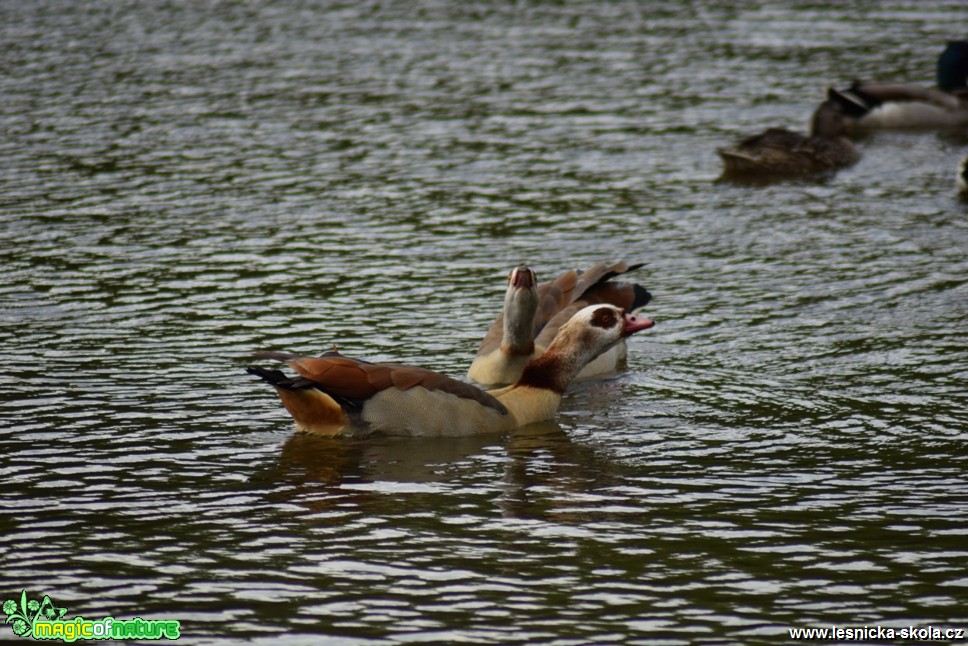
(533, 314)
(873, 105)
(779, 151)
(333, 394)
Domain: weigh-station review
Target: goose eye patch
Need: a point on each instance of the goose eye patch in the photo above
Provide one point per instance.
(604, 318)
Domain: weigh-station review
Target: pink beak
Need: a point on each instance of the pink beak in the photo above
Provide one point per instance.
(522, 277)
(635, 323)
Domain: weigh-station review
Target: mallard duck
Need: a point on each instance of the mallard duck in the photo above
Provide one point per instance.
(873, 105)
(337, 395)
(779, 151)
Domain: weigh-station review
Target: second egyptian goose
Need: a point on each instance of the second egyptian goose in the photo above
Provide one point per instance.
(334, 395)
(533, 314)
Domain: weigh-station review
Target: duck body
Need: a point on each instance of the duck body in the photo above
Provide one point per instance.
(878, 105)
(337, 395)
(533, 314)
(778, 151)
(333, 393)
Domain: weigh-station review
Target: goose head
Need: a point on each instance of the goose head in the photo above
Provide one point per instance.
(520, 305)
(596, 328)
(590, 332)
(828, 120)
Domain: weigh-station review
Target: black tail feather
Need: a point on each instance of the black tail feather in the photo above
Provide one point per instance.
(279, 379)
(642, 297)
(854, 102)
(612, 274)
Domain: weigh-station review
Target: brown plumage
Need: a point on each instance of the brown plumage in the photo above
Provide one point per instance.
(333, 394)
(356, 380)
(533, 314)
(778, 151)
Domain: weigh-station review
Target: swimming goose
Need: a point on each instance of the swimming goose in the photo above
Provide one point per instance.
(533, 314)
(873, 105)
(778, 151)
(333, 394)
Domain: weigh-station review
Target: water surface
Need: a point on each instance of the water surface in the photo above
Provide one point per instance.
(184, 183)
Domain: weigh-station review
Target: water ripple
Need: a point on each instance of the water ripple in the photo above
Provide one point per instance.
(210, 180)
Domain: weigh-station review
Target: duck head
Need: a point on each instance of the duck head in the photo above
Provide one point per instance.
(828, 120)
(953, 67)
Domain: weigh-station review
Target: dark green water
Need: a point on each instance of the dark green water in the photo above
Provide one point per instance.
(183, 183)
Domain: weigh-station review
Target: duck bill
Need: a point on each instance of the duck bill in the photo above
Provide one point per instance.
(635, 324)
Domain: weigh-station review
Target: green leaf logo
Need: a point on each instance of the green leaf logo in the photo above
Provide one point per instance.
(23, 615)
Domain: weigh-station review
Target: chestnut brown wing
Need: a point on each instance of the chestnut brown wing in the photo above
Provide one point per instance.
(358, 380)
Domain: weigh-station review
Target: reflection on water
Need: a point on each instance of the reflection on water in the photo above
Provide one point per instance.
(186, 184)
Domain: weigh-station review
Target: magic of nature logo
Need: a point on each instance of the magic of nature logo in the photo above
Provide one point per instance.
(45, 620)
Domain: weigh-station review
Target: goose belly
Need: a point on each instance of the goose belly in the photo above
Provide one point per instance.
(421, 412)
(911, 115)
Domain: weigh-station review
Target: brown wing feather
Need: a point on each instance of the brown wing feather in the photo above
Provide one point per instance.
(492, 340)
(587, 288)
(340, 375)
(557, 294)
(572, 286)
(547, 335)
(620, 294)
(359, 380)
(406, 378)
